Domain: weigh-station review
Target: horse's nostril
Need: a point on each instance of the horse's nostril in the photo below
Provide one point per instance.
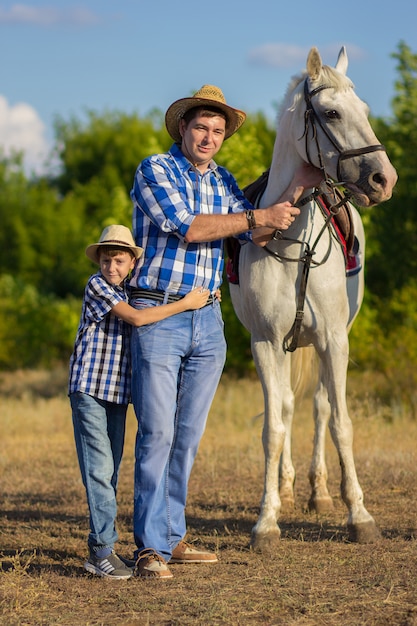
(377, 179)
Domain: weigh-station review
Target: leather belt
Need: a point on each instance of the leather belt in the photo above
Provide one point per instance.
(152, 294)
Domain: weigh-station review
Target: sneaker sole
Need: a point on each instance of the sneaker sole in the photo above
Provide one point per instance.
(196, 560)
(89, 567)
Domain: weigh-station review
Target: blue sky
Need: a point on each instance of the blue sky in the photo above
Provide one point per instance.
(64, 57)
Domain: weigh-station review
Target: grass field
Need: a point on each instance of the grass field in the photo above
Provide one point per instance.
(315, 576)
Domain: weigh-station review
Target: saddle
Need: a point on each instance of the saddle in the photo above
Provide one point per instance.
(342, 223)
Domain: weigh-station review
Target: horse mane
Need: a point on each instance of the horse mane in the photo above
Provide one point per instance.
(328, 76)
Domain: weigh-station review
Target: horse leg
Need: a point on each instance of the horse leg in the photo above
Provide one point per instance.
(286, 466)
(266, 532)
(361, 525)
(320, 500)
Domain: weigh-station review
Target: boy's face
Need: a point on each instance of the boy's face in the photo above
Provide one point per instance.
(116, 267)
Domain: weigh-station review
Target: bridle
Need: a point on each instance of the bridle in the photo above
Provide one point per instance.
(328, 187)
(310, 120)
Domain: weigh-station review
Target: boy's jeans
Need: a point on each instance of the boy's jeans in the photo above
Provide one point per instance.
(99, 430)
(176, 367)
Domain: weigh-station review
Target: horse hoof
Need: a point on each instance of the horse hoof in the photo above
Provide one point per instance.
(265, 543)
(323, 504)
(366, 532)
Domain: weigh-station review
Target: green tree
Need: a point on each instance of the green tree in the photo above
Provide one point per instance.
(392, 232)
(36, 330)
(99, 157)
(384, 338)
(42, 235)
(248, 153)
(106, 148)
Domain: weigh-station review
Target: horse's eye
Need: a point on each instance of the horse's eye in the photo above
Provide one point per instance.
(332, 115)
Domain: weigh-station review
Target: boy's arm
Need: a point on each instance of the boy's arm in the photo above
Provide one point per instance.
(196, 299)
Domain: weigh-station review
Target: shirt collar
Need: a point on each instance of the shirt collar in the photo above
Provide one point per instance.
(185, 165)
(121, 287)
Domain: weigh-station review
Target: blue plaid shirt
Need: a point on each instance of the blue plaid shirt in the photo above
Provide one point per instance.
(168, 192)
(100, 362)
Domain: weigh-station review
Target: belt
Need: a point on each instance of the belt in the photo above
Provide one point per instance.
(152, 294)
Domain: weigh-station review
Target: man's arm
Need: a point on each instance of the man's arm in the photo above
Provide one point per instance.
(280, 215)
(212, 227)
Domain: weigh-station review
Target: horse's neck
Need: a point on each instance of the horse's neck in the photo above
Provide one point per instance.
(284, 163)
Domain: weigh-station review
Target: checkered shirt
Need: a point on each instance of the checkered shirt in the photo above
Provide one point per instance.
(168, 192)
(100, 362)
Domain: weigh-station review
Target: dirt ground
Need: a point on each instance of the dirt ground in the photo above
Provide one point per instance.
(313, 577)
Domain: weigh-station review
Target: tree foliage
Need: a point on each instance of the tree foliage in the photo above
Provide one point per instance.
(392, 225)
(384, 337)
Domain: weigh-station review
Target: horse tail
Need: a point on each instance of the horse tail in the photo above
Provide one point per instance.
(304, 371)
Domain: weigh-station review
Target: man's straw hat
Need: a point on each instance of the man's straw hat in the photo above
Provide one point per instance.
(116, 236)
(208, 95)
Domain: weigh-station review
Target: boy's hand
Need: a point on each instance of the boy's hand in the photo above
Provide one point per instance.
(196, 298)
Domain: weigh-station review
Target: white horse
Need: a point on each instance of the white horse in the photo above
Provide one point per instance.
(294, 293)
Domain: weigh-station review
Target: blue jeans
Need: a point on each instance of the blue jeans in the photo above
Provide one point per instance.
(99, 431)
(176, 368)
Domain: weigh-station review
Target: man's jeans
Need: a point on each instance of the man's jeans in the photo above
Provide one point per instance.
(99, 430)
(176, 367)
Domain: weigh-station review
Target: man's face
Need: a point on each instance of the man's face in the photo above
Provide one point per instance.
(202, 138)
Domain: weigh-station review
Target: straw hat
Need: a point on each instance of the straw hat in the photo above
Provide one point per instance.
(117, 236)
(208, 95)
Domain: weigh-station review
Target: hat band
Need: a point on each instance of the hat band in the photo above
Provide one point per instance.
(107, 241)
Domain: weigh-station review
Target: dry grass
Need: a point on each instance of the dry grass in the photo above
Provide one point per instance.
(316, 577)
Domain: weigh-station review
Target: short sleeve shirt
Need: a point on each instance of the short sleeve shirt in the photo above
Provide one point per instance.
(100, 362)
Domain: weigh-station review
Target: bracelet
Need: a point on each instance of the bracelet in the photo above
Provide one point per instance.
(250, 216)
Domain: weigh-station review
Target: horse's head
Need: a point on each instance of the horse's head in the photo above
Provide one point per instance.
(337, 136)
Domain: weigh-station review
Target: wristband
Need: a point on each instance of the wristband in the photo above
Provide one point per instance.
(250, 216)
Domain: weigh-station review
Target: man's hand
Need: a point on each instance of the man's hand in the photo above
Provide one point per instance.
(280, 215)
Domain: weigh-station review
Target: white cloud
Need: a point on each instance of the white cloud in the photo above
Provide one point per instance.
(277, 55)
(22, 130)
(46, 15)
(283, 55)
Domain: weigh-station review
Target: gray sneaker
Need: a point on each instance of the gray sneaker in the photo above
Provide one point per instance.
(128, 562)
(110, 567)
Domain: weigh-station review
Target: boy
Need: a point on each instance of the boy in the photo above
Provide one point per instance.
(99, 385)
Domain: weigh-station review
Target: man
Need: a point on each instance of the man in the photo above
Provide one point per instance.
(184, 207)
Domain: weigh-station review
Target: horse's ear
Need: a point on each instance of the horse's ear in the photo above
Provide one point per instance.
(314, 64)
(342, 61)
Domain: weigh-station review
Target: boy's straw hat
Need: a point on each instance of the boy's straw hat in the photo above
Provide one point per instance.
(208, 95)
(117, 236)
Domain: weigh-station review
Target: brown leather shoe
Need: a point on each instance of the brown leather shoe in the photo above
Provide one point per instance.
(185, 553)
(150, 564)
